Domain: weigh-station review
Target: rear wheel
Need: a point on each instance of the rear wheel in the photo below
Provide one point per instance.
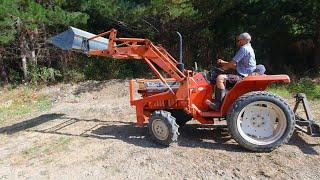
(163, 128)
(261, 121)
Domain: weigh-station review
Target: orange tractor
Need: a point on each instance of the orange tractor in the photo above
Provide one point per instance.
(256, 119)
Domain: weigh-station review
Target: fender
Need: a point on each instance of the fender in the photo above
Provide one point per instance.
(249, 84)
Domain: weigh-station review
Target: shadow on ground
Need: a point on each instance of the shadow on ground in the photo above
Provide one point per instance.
(191, 135)
(29, 123)
(303, 145)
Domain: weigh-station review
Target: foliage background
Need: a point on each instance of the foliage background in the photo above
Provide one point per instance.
(286, 35)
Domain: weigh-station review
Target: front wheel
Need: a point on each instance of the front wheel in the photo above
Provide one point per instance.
(261, 121)
(163, 128)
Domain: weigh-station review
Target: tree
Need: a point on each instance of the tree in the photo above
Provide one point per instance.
(286, 34)
(3, 72)
(26, 20)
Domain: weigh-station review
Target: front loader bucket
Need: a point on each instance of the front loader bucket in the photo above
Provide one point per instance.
(76, 39)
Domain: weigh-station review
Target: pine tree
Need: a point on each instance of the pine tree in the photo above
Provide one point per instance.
(24, 21)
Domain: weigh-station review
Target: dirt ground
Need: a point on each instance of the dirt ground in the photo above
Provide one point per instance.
(89, 133)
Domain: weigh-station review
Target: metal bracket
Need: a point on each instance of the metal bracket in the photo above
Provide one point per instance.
(85, 45)
(312, 128)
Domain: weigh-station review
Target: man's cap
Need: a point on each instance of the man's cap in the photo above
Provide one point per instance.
(245, 36)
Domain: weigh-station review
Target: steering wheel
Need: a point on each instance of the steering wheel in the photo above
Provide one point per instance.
(218, 70)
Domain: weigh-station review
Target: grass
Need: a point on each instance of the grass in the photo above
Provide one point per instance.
(21, 101)
(58, 145)
(306, 85)
(31, 151)
(281, 90)
(61, 144)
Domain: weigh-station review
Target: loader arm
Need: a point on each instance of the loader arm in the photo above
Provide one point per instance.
(136, 48)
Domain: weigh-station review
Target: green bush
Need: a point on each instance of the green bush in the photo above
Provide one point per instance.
(43, 74)
(98, 68)
(73, 75)
(307, 86)
(108, 68)
(15, 76)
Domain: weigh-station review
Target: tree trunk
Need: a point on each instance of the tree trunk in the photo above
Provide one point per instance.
(23, 49)
(24, 57)
(33, 46)
(24, 66)
(33, 56)
(3, 72)
(49, 59)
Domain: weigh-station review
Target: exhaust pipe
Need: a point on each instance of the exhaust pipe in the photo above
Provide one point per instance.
(180, 64)
(77, 39)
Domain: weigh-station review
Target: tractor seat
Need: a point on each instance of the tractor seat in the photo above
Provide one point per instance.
(260, 70)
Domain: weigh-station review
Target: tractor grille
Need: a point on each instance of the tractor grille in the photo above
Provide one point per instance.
(162, 103)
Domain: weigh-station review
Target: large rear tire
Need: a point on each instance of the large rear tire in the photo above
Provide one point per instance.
(261, 121)
(163, 128)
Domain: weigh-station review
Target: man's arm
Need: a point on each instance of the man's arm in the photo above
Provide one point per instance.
(232, 64)
(227, 65)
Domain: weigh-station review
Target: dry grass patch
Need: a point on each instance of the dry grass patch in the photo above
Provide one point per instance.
(48, 148)
(21, 101)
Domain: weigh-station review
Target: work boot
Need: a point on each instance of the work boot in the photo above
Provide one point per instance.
(219, 95)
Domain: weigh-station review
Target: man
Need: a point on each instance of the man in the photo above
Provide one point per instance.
(244, 62)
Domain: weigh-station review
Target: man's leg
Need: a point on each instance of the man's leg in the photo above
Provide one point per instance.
(219, 92)
(221, 79)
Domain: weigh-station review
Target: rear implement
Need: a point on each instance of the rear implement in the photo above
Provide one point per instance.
(306, 125)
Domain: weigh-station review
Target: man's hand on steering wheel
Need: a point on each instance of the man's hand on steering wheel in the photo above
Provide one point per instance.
(220, 62)
(226, 65)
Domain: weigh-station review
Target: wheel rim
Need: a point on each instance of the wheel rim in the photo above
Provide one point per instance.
(261, 123)
(160, 129)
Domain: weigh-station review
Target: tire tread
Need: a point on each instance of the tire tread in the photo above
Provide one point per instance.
(234, 110)
(172, 125)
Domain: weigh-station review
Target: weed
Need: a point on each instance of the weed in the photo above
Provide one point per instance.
(306, 85)
(73, 75)
(281, 90)
(43, 74)
(21, 101)
(48, 161)
(58, 145)
(31, 151)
